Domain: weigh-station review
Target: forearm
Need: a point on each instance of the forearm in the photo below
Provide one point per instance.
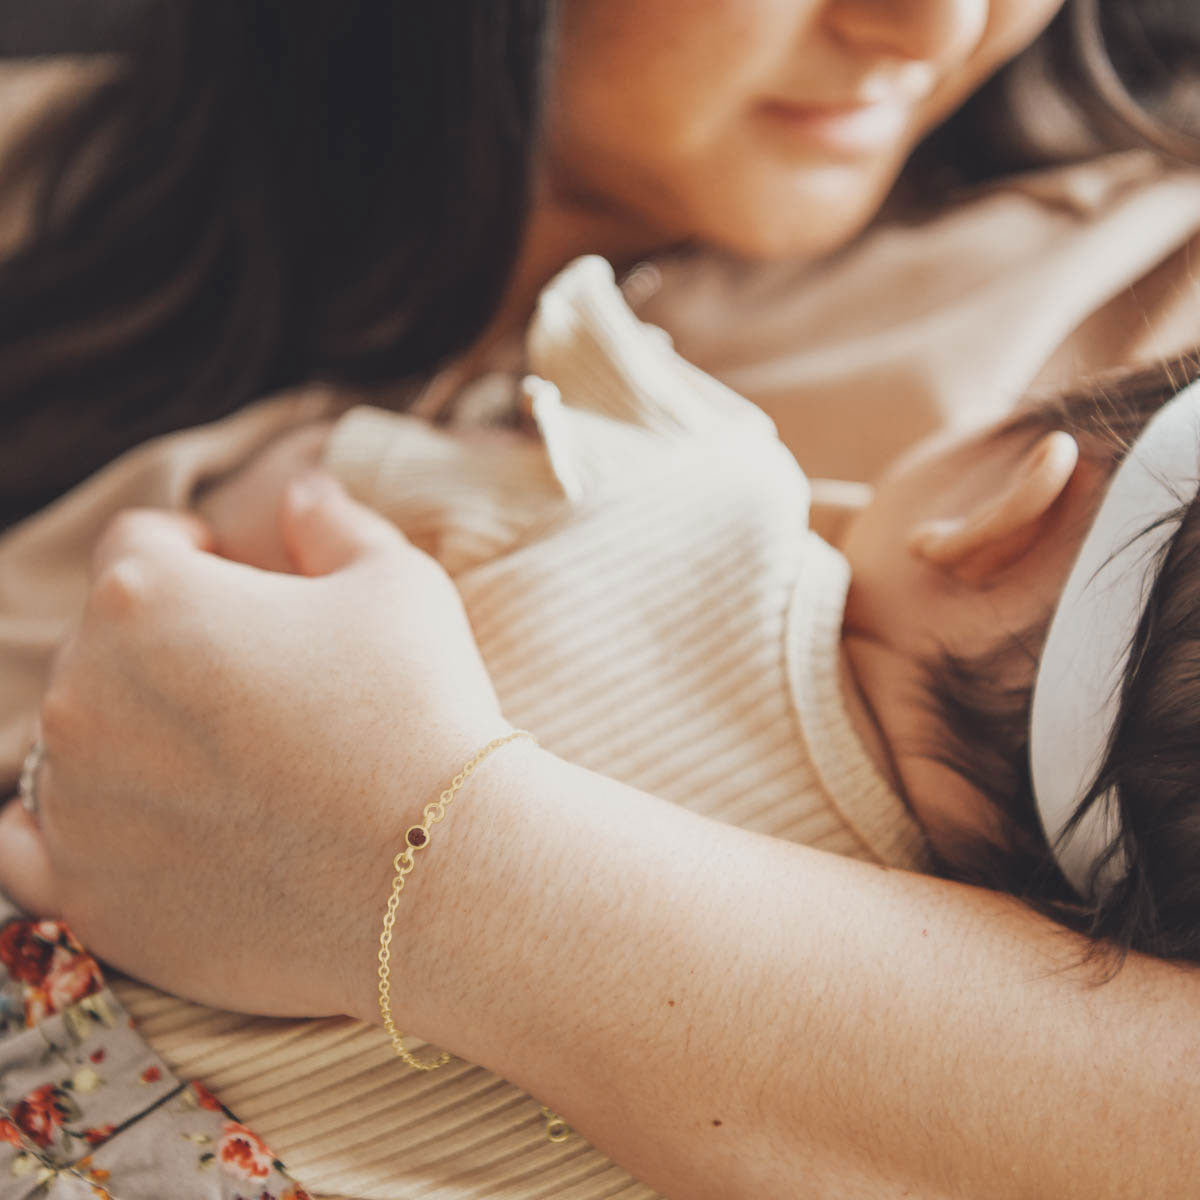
(854, 1031)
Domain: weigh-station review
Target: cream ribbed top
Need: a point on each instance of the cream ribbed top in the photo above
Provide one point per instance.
(649, 600)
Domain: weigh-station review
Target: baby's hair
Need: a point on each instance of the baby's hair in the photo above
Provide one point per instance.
(982, 704)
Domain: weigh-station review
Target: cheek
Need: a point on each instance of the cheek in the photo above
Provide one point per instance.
(654, 115)
(762, 206)
(880, 573)
(664, 73)
(650, 95)
(889, 583)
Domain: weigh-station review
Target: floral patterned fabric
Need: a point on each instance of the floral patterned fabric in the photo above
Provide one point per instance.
(87, 1109)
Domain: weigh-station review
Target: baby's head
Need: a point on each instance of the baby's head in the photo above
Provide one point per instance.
(959, 566)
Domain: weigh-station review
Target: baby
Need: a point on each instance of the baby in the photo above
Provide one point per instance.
(640, 573)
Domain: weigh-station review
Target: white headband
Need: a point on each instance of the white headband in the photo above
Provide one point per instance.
(1078, 690)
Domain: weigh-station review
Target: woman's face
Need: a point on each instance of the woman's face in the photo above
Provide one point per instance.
(771, 127)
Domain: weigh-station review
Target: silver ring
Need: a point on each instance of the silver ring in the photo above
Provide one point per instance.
(27, 788)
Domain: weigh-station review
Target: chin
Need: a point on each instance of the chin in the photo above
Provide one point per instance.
(773, 240)
(793, 224)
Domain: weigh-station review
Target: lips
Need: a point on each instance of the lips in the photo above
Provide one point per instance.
(830, 108)
(844, 128)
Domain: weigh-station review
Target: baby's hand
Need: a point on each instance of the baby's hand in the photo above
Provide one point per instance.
(243, 510)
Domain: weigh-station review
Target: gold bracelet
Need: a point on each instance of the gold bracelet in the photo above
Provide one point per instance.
(417, 838)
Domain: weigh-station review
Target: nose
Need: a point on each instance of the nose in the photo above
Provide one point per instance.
(920, 30)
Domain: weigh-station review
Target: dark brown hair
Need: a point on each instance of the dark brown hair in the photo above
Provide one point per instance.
(1106, 74)
(1153, 761)
(275, 191)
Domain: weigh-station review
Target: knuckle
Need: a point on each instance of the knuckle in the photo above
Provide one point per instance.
(123, 589)
(120, 532)
(126, 523)
(61, 713)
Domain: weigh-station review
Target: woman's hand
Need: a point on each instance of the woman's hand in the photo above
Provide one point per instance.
(242, 511)
(232, 756)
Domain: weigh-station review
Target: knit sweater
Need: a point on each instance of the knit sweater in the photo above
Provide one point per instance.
(648, 598)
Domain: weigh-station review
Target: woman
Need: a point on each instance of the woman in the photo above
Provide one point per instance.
(798, 1087)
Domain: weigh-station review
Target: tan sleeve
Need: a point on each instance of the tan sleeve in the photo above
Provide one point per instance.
(1157, 317)
(465, 495)
(951, 319)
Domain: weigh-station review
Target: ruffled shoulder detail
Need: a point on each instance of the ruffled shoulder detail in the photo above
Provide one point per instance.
(609, 394)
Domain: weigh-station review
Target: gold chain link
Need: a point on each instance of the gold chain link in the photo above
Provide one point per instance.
(417, 838)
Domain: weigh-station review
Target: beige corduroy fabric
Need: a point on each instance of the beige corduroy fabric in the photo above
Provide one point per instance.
(649, 600)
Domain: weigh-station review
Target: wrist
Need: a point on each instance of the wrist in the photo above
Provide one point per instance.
(442, 944)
